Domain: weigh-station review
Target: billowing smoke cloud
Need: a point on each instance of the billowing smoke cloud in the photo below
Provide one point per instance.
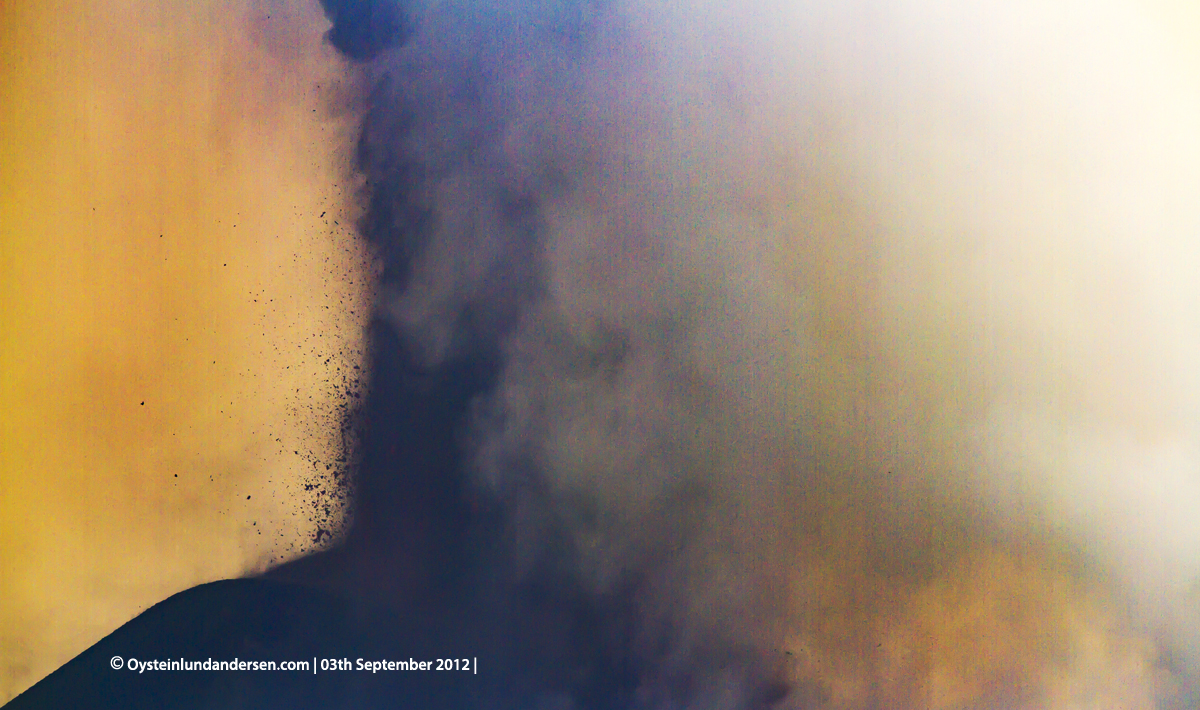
(849, 345)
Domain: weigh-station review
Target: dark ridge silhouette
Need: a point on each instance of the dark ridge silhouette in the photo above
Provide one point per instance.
(221, 621)
(255, 620)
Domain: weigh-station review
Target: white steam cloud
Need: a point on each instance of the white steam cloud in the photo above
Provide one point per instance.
(862, 339)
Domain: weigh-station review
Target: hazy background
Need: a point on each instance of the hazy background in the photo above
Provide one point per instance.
(181, 310)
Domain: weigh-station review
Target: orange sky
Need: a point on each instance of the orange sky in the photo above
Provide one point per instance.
(178, 317)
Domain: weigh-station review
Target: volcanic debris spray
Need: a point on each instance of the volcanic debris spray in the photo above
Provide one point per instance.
(841, 353)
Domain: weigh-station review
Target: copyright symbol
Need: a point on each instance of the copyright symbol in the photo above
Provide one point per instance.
(116, 662)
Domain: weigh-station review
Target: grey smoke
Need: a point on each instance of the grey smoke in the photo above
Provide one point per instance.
(858, 338)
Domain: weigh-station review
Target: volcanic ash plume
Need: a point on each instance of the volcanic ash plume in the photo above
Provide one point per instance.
(851, 344)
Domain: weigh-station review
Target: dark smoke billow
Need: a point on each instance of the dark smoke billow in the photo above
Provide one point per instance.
(807, 354)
